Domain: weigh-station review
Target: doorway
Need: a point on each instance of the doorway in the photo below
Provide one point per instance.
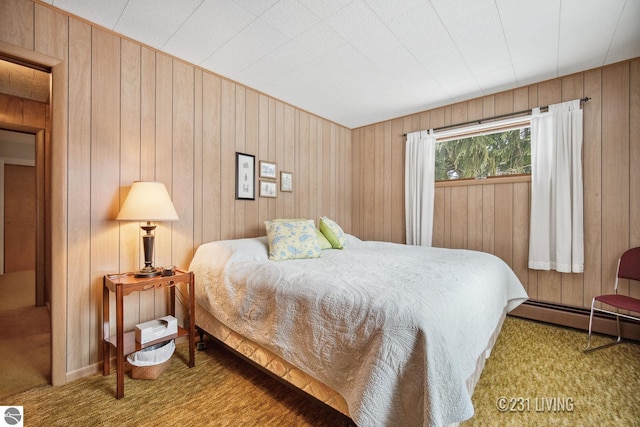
(25, 318)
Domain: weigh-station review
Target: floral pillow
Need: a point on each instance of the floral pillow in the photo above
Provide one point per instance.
(292, 240)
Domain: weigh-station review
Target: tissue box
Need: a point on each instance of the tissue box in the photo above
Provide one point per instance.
(156, 329)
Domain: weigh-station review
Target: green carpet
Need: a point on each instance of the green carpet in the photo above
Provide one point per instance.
(541, 373)
(538, 368)
(221, 390)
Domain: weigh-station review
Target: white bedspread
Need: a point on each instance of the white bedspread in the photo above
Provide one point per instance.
(395, 329)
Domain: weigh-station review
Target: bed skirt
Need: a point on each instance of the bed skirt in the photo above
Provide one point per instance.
(284, 370)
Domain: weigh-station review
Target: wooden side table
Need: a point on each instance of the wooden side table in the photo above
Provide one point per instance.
(125, 343)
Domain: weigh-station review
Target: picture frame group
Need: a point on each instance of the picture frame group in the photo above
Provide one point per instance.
(267, 174)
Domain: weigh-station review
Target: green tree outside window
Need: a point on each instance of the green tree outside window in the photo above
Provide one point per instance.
(497, 154)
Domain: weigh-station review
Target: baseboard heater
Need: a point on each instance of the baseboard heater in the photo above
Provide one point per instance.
(577, 318)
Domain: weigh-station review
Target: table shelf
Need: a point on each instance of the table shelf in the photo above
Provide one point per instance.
(131, 345)
(124, 343)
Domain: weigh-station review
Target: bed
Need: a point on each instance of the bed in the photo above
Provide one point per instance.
(387, 334)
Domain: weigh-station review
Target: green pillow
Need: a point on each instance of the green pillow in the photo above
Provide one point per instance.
(333, 233)
(292, 240)
(324, 243)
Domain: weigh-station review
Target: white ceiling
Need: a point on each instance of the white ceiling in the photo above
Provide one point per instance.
(358, 62)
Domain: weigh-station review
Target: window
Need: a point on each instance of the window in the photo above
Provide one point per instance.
(496, 151)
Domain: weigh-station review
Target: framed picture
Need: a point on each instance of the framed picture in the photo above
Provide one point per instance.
(268, 189)
(286, 181)
(245, 176)
(268, 170)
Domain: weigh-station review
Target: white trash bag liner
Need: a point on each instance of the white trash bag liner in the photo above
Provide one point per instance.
(154, 355)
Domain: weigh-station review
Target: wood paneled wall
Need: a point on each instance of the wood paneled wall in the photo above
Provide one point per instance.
(124, 112)
(493, 216)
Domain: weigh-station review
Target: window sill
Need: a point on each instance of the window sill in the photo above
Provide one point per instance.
(485, 181)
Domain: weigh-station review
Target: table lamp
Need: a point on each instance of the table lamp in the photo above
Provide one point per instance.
(148, 201)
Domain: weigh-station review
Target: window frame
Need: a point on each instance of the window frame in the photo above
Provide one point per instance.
(484, 128)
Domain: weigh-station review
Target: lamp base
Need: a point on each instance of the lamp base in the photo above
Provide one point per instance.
(148, 273)
(147, 241)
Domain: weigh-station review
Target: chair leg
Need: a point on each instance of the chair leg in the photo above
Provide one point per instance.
(590, 324)
(588, 348)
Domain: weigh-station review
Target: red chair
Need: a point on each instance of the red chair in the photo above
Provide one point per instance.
(628, 268)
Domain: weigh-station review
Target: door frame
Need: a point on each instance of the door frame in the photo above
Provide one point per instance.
(57, 244)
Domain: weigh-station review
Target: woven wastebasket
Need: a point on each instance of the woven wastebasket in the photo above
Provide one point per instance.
(150, 362)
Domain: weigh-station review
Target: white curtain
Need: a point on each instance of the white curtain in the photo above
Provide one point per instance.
(556, 235)
(420, 152)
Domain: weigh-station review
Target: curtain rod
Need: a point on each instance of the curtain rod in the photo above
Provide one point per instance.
(501, 116)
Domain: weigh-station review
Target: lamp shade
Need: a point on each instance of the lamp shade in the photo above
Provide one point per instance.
(147, 201)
